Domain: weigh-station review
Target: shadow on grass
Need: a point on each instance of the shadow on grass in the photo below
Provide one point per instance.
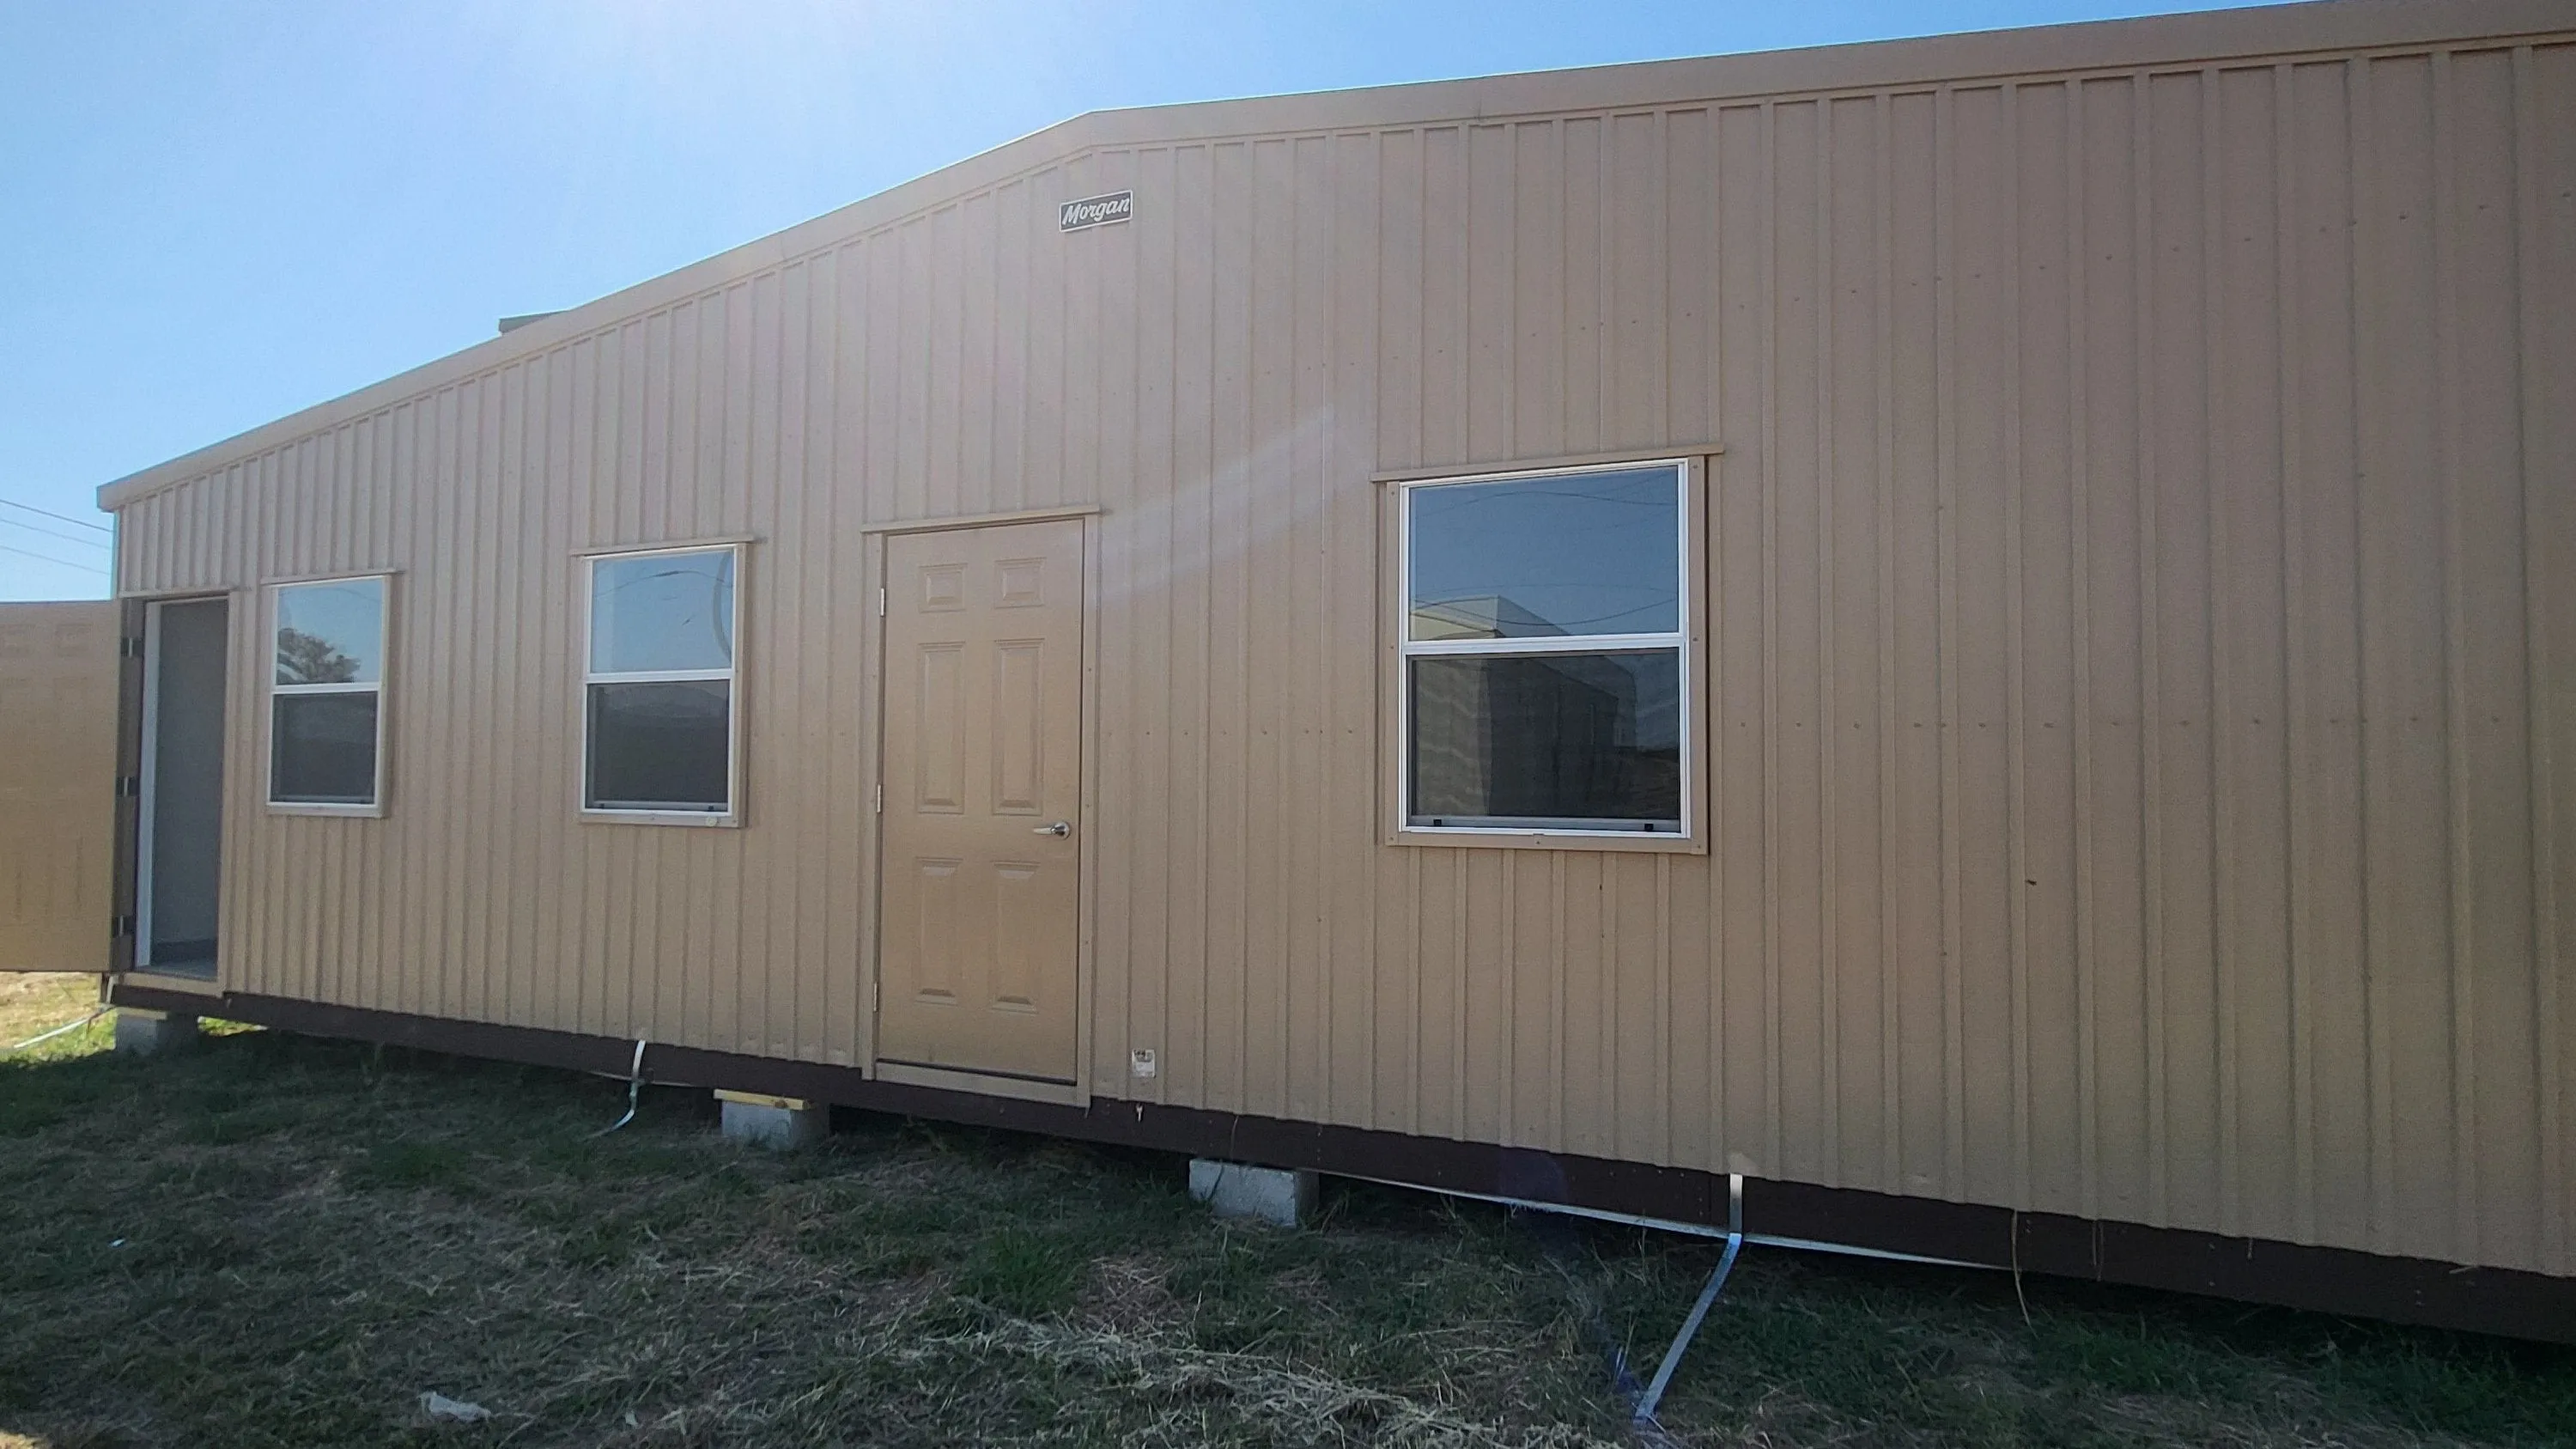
(272, 1239)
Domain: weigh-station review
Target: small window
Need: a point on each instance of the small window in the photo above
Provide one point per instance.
(658, 716)
(326, 695)
(1546, 679)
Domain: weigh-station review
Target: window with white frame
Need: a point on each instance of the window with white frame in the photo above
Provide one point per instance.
(326, 694)
(658, 735)
(1545, 621)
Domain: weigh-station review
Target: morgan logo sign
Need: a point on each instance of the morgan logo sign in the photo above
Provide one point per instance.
(1093, 211)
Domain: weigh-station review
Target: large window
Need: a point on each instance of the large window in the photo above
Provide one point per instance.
(1546, 675)
(658, 706)
(326, 696)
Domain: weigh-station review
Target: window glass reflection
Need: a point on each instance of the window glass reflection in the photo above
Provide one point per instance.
(331, 633)
(662, 612)
(660, 745)
(1576, 553)
(322, 749)
(1564, 739)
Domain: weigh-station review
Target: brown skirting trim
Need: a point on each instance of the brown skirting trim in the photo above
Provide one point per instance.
(2256, 1270)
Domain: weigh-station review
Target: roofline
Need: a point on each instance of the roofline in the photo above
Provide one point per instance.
(2151, 42)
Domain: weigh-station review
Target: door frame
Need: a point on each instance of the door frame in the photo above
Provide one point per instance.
(146, 773)
(872, 800)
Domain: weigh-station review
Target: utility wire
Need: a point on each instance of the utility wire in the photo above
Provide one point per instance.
(87, 568)
(57, 533)
(634, 1091)
(58, 517)
(95, 1014)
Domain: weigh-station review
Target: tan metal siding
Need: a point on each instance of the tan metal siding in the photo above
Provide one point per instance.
(2140, 705)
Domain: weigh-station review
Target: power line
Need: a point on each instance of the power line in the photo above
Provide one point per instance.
(57, 533)
(49, 558)
(58, 517)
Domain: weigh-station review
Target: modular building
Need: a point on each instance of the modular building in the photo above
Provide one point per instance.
(1976, 636)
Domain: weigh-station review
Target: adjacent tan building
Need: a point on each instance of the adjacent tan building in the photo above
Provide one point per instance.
(1978, 631)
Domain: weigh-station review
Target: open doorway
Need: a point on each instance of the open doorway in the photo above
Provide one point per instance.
(180, 844)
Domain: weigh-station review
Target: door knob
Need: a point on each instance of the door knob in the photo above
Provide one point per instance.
(1060, 828)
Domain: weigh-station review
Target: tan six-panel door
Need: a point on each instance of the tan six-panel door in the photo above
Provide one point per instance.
(980, 874)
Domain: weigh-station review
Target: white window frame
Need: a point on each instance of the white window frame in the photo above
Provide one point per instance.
(1680, 640)
(731, 814)
(374, 808)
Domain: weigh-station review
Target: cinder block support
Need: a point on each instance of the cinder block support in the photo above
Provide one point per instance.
(779, 1122)
(141, 1033)
(1277, 1195)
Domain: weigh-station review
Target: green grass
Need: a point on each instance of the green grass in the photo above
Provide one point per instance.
(267, 1240)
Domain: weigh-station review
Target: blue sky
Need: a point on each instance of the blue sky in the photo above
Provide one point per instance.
(213, 215)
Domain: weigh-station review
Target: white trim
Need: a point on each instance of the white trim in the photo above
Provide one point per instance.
(1677, 640)
(984, 520)
(673, 545)
(656, 676)
(612, 815)
(728, 814)
(1551, 463)
(148, 785)
(1545, 644)
(373, 807)
(334, 577)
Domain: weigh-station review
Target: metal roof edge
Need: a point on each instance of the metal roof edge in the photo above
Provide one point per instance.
(2145, 42)
(1030, 152)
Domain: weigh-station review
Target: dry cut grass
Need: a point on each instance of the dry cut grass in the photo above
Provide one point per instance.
(270, 1241)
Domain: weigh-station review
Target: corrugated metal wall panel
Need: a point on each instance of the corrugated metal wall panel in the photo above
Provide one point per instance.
(2140, 717)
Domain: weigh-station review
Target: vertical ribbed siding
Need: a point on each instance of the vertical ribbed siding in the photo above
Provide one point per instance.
(2139, 735)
